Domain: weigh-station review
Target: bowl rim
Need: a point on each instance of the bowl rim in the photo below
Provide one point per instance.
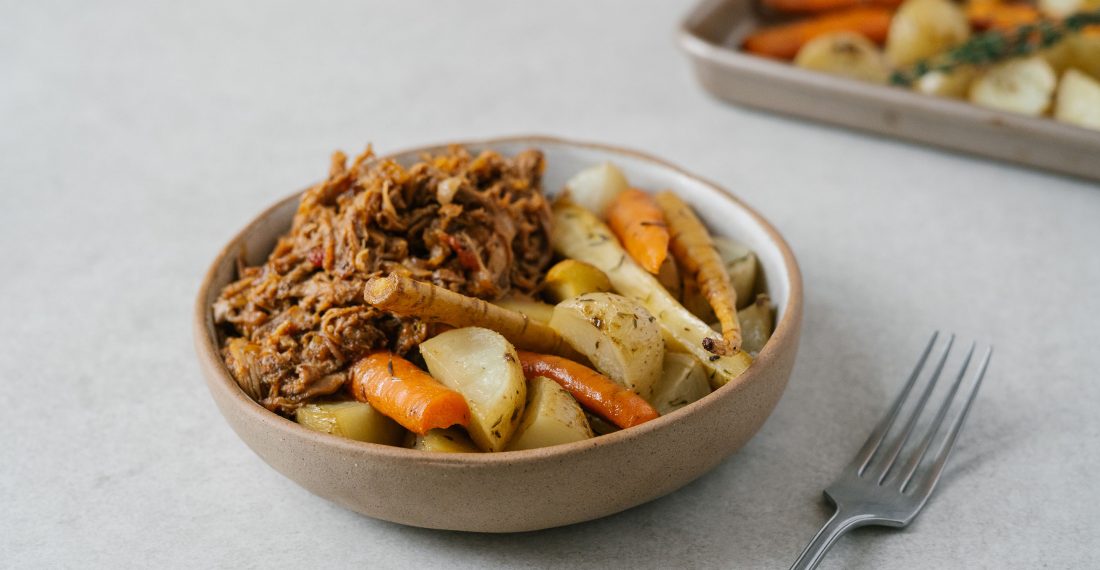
(206, 345)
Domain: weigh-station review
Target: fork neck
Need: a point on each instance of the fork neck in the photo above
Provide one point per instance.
(840, 523)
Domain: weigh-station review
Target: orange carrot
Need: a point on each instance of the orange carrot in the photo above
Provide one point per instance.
(783, 41)
(997, 15)
(593, 390)
(407, 394)
(640, 225)
(815, 6)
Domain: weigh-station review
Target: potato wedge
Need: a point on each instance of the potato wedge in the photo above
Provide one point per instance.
(741, 265)
(535, 310)
(756, 324)
(580, 235)
(846, 54)
(595, 187)
(1020, 86)
(482, 366)
(683, 381)
(451, 440)
(1078, 100)
(923, 28)
(617, 335)
(954, 84)
(351, 419)
(569, 278)
(551, 417)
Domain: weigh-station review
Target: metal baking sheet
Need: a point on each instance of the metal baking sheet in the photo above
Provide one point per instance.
(711, 36)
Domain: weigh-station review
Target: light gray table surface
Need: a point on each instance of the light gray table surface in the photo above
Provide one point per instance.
(136, 138)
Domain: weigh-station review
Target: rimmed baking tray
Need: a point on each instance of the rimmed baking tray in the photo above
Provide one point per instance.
(713, 31)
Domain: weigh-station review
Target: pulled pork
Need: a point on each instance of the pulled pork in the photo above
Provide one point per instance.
(476, 225)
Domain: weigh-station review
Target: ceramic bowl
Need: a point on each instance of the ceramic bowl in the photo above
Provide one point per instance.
(540, 488)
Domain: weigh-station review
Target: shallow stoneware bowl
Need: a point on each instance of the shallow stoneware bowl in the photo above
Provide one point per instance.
(534, 489)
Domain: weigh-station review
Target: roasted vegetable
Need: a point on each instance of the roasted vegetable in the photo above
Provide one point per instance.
(551, 417)
(482, 366)
(924, 28)
(639, 224)
(846, 54)
(954, 83)
(756, 323)
(350, 419)
(682, 382)
(669, 277)
(595, 187)
(1022, 86)
(580, 235)
(1078, 100)
(600, 394)
(617, 335)
(400, 390)
(741, 265)
(783, 41)
(405, 297)
(445, 441)
(696, 253)
(535, 310)
(569, 278)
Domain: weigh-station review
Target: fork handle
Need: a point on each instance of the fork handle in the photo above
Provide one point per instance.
(837, 525)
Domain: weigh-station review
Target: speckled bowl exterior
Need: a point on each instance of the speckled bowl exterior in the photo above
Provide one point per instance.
(540, 488)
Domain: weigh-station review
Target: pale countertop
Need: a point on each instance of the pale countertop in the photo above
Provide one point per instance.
(137, 138)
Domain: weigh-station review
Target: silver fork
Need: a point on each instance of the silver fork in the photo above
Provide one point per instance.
(873, 489)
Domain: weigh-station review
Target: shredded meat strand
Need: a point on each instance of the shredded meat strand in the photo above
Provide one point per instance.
(478, 225)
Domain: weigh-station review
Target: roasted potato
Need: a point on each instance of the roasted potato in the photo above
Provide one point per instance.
(569, 278)
(551, 417)
(846, 54)
(1078, 100)
(683, 381)
(482, 366)
(351, 419)
(954, 84)
(535, 310)
(923, 28)
(595, 187)
(741, 265)
(756, 324)
(451, 440)
(1020, 85)
(618, 335)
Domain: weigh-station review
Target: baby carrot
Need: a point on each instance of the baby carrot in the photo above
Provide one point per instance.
(407, 394)
(640, 226)
(694, 251)
(593, 390)
(783, 41)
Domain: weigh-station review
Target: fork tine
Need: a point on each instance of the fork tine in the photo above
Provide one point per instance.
(895, 450)
(914, 462)
(948, 444)
(879, 434)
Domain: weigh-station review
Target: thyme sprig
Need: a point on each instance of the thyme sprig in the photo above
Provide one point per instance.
(994, 46)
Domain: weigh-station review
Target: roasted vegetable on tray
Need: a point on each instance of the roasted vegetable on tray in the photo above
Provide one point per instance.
(1033, 57)
(404, 307)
